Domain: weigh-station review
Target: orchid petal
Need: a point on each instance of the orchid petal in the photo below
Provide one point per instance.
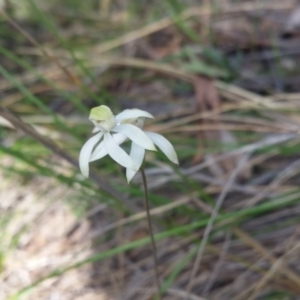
(164, 145)
(100, 150)
(96, 129)
(98, 153)
(137, 154)
(117, 153)
(136, 135)
(85, 153)
(132, 114)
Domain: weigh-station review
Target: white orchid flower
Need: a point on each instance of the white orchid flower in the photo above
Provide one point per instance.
(125, 125)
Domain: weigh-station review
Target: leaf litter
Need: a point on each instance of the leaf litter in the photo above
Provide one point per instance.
(235, 97)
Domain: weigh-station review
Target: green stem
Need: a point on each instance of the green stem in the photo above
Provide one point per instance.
(154, 252)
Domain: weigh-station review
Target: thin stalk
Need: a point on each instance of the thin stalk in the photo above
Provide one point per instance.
(154, 252)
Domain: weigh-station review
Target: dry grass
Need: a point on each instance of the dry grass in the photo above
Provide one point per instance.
(226, 221)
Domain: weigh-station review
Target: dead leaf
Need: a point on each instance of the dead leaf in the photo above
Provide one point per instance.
(207, 99)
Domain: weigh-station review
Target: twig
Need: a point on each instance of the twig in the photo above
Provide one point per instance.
(211, 221)
(196, 11)
(290, 171)
(259, 248)
(268, 141)
(219, 264)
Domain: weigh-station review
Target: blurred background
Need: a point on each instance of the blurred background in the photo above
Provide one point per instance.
(222, 80)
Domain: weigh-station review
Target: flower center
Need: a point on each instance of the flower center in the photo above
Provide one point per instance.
(107, 125)
(103, 118)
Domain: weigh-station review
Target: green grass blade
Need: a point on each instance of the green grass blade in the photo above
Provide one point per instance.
(34, 100)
